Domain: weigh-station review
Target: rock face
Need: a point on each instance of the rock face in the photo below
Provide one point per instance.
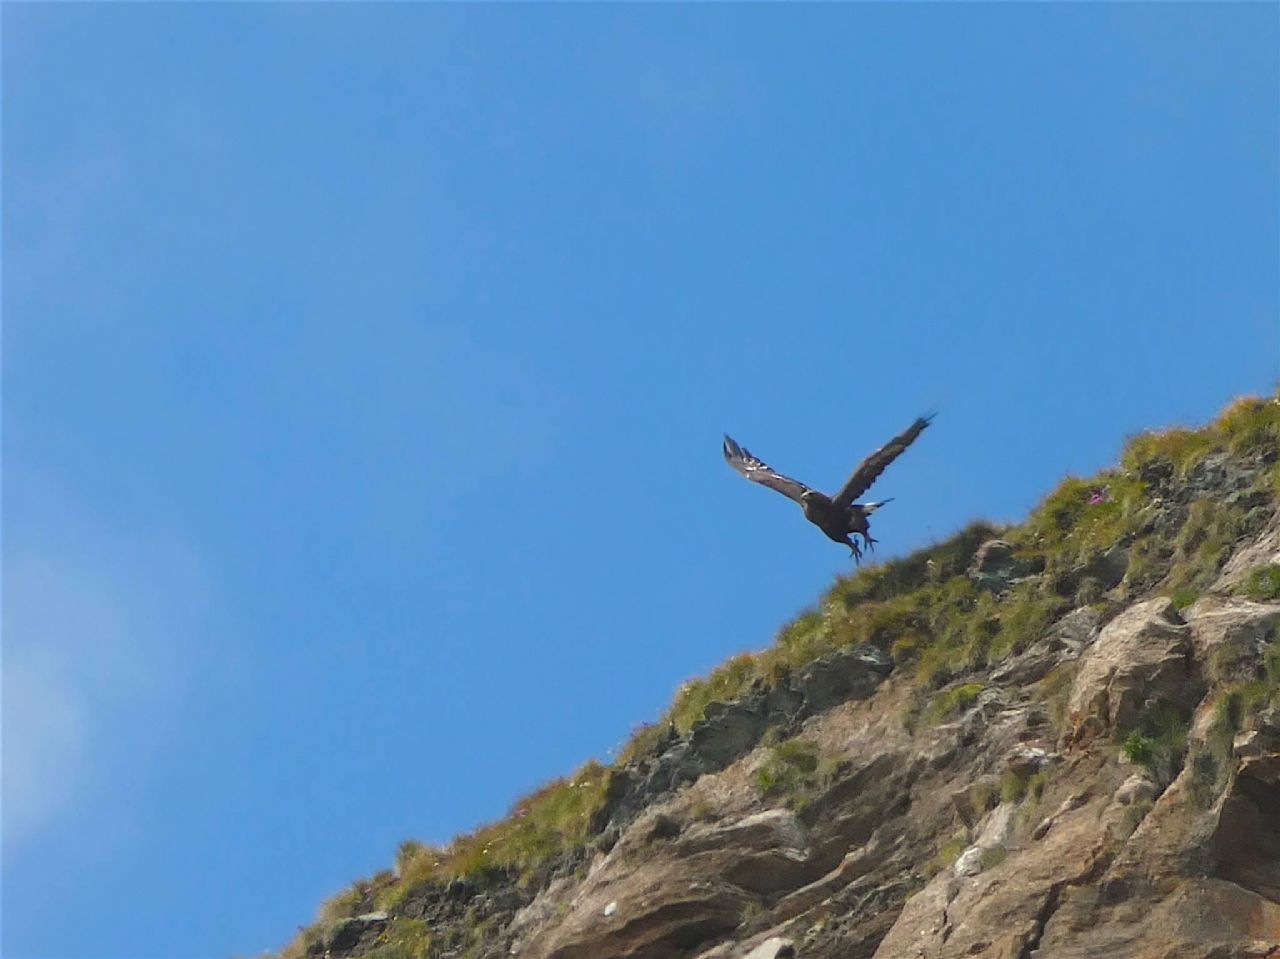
(347, 935)
(1140, 660)
(729, 730)
(1110, 788)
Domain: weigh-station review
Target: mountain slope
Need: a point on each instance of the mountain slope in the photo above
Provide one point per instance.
(1056, 739)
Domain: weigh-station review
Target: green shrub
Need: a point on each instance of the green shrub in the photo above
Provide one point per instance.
(791, 768)
(1159, 741)
(1139, 749)
(1263, 583)
(793, 771)
(948, 703)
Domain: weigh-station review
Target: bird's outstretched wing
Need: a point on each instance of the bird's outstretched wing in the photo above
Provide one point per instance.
(874, 465)
(758, 471)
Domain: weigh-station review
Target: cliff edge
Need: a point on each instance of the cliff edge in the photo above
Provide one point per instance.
(1055, 739)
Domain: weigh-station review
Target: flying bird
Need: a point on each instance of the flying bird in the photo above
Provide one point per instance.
(838, 516)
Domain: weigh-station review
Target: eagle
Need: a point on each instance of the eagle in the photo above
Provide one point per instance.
(838, 516)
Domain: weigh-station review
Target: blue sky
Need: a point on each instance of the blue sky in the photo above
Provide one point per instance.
(365, 369)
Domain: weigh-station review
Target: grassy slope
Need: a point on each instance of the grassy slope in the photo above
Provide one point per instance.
(932, 618)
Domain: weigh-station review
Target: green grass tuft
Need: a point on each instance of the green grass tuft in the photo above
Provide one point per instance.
(1054, 690)
(1201, 548)
(1013, 786)
(791, 767)
(1070, 526)
(727, 682)
(1263, 584)
(1247, 425)
(1159, 741)
(948, 853)
(643, 742)
(1250, 424)
(556, 817)
(899, 577)
(793, 770)
(403, 939)
(1184, 448)
(946, 704)
(1024, 618)
(1138, 749)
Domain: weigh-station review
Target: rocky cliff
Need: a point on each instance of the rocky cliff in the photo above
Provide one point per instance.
(1057, 739)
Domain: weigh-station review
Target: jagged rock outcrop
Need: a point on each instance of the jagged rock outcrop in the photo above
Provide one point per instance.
(1140, 660)
(729, 730)
(1023, 750)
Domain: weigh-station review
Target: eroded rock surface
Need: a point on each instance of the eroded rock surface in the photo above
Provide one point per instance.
(1141, 658)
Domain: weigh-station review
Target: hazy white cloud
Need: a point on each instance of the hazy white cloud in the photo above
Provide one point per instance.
(97, 631)
(44, 742)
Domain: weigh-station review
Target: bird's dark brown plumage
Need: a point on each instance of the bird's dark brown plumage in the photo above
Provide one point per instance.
(838, 516)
